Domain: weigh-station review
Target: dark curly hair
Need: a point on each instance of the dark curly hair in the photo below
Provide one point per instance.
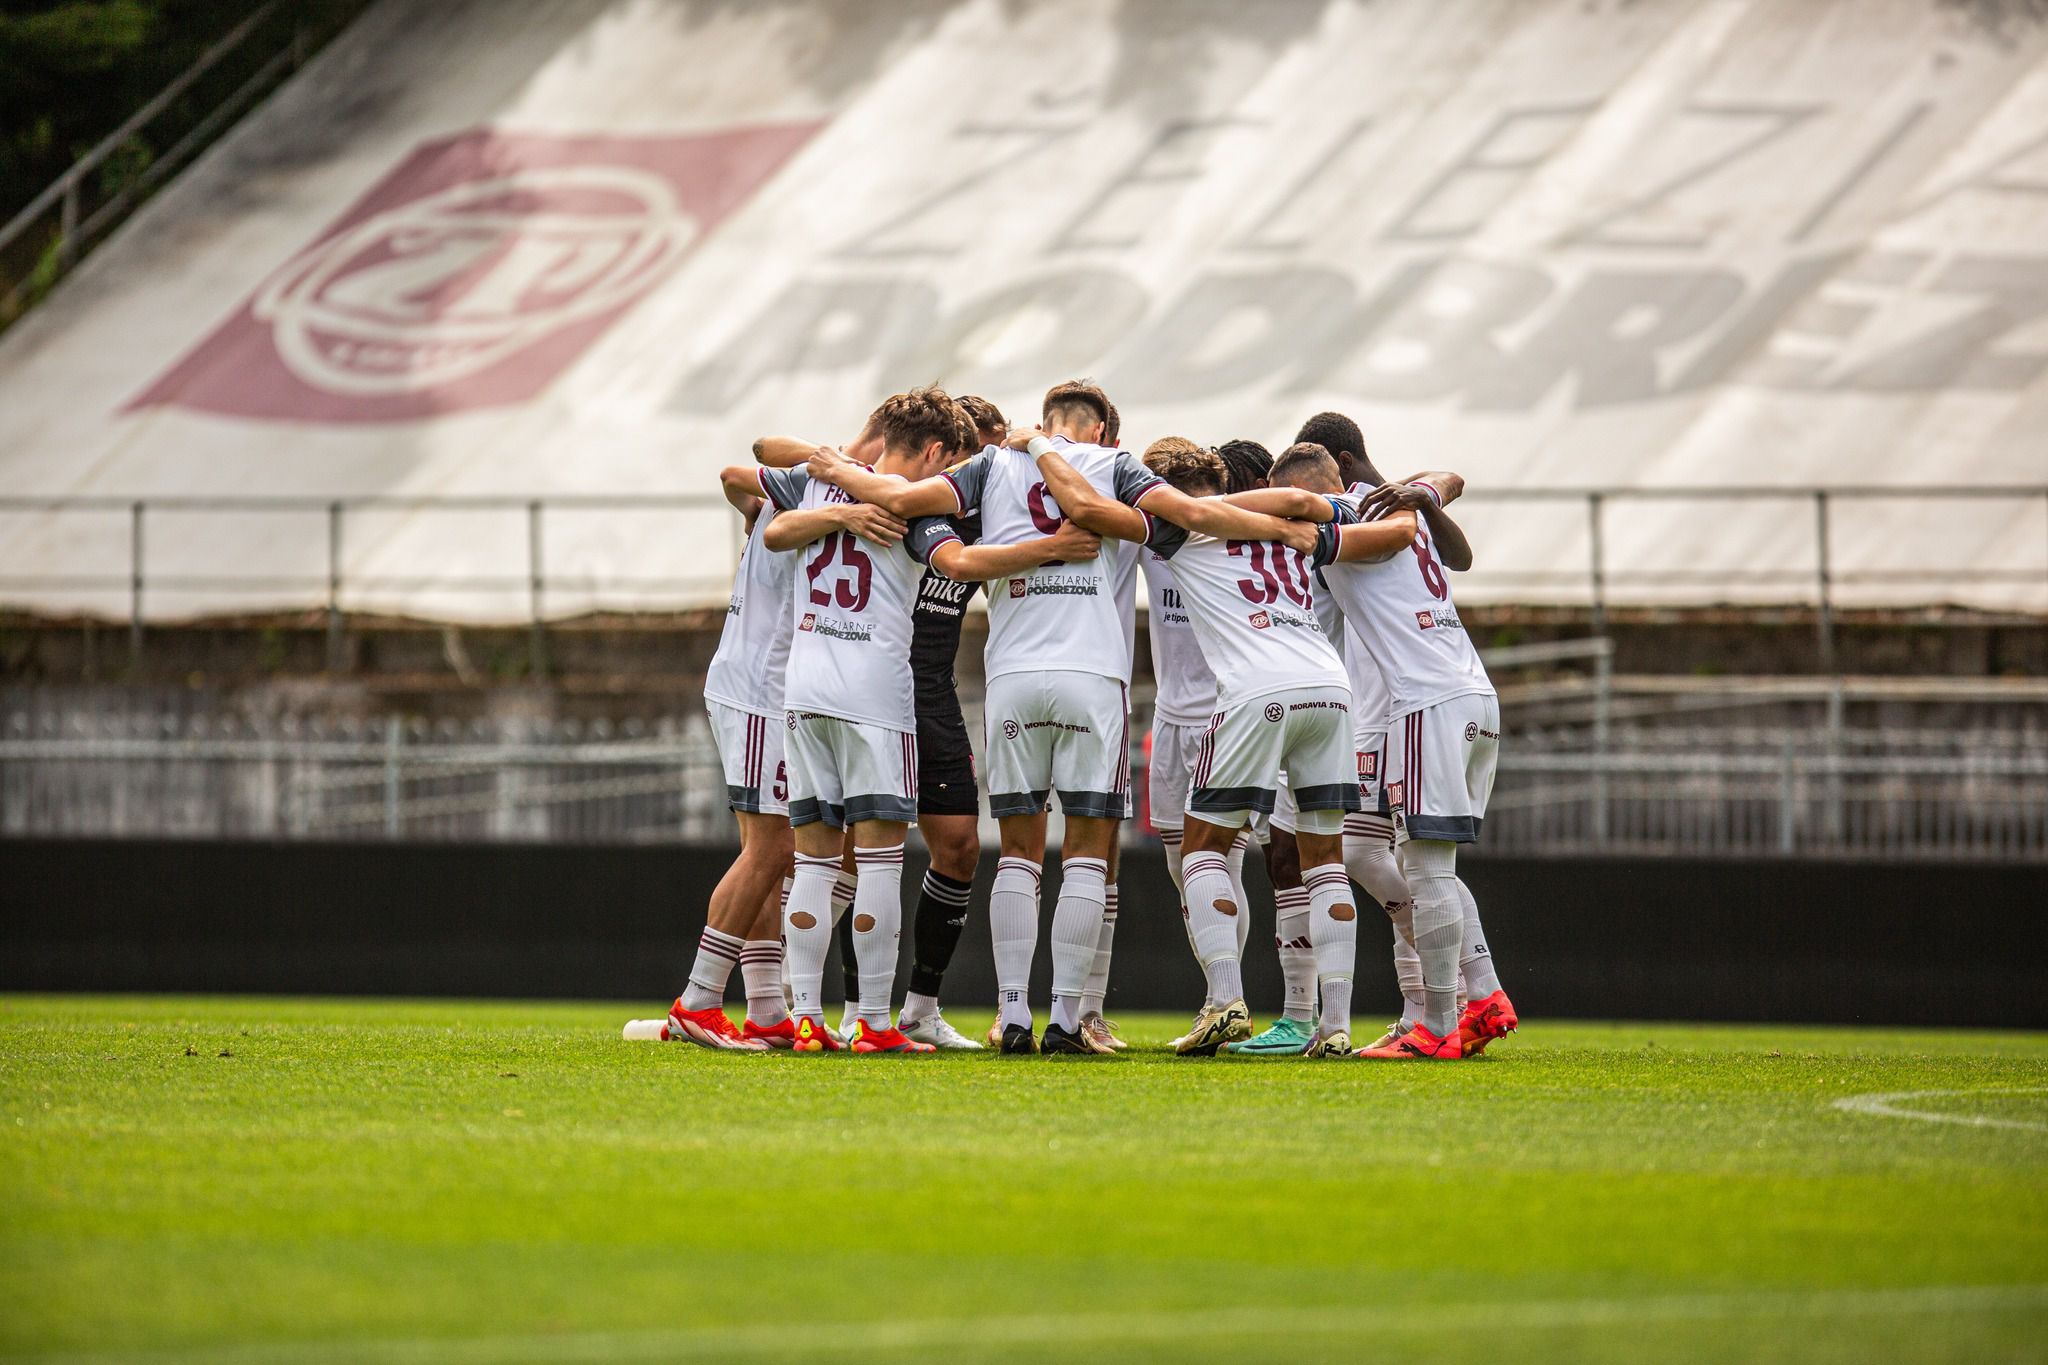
(1248, 464)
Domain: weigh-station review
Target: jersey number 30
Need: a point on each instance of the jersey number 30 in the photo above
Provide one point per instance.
(856, 573)
(1276, 573)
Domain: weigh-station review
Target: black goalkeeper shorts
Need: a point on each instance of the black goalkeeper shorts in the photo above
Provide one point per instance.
(945, 762)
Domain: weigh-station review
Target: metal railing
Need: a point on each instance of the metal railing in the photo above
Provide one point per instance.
(529, 578)
(1597, 577)
(1775, 789)
(78, 211)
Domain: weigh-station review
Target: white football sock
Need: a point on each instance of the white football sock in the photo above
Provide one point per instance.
(1408, 971)
(1169, 839)
(1476, 966)
(717, 952)
(1215, 926)
(1098, 977)
(1432, 866)
(788, 884)
(1076, 929)
(1013, 925)
(1370, 859)
(1333, 929)
(761, 973)
(916, 1007)
(1237, 894)
(843, 891)
(807, 934)
(877, 928)
(1297, 953)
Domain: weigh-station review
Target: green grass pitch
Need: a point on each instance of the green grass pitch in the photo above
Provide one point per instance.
(316, 1180)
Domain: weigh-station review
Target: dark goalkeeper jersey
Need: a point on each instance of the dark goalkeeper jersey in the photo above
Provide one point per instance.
(935, 630)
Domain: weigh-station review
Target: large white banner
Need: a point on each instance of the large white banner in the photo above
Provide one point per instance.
(518, 251)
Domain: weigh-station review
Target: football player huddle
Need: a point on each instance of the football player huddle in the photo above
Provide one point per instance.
(1315, 695)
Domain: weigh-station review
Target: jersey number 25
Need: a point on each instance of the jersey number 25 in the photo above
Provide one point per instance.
(856, 573)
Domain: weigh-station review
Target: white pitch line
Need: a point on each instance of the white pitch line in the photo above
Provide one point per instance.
(1887, 1106)
(902, 1334)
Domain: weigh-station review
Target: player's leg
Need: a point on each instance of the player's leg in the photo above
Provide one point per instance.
(1019, 750)
(1174, 750)
(953, 843)
(1214, 910)
(1100, 1032)
(880, 768)
(843, 892)
(1013, 906)
(817, 816)
(1235, 775)
(1321, 769)
(1374, 863)
(1294, 1029)
(1284, 865)
(948, 818)
(762, 971)
(1487, 1013)
(1091, 773)
(750, 754)
(1427, 792)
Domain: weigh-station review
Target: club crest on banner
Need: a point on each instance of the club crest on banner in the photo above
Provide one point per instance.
(471, 275)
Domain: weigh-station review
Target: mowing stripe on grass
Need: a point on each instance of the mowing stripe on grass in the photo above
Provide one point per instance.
(1886, 1105)
(1080, 1328)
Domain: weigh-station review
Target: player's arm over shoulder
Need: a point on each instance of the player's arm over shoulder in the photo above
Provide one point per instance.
(901, 498)
(1358, 542)
(1081, 503)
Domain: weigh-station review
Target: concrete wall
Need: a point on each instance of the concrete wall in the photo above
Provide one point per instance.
(1653, 939)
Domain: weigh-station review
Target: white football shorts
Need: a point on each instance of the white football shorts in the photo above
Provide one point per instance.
(750, 752)
(1440, 763)
(845, 771)
(1300, 738)
(1058, 731)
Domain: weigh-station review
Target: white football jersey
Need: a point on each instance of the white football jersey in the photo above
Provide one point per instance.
(1253, 608)
(1372, 706)
(1072, 617)
(1401, 611)
(753, 650)
(850, 609)
(1186, 685)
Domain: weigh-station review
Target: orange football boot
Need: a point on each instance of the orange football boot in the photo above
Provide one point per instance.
(812, 1036)
(777, 1035)
(868, 1038)
(708, 1028)
(1419, 1045)
(1484, 1020)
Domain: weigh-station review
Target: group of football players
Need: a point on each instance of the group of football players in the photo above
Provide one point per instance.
(1314, 693)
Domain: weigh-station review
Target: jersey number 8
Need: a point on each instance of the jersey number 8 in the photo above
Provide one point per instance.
(1432, 573)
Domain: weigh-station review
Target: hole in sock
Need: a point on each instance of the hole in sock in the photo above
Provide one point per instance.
(1341, 912)
(863, 922)
(804, 919)
(1227, 908)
